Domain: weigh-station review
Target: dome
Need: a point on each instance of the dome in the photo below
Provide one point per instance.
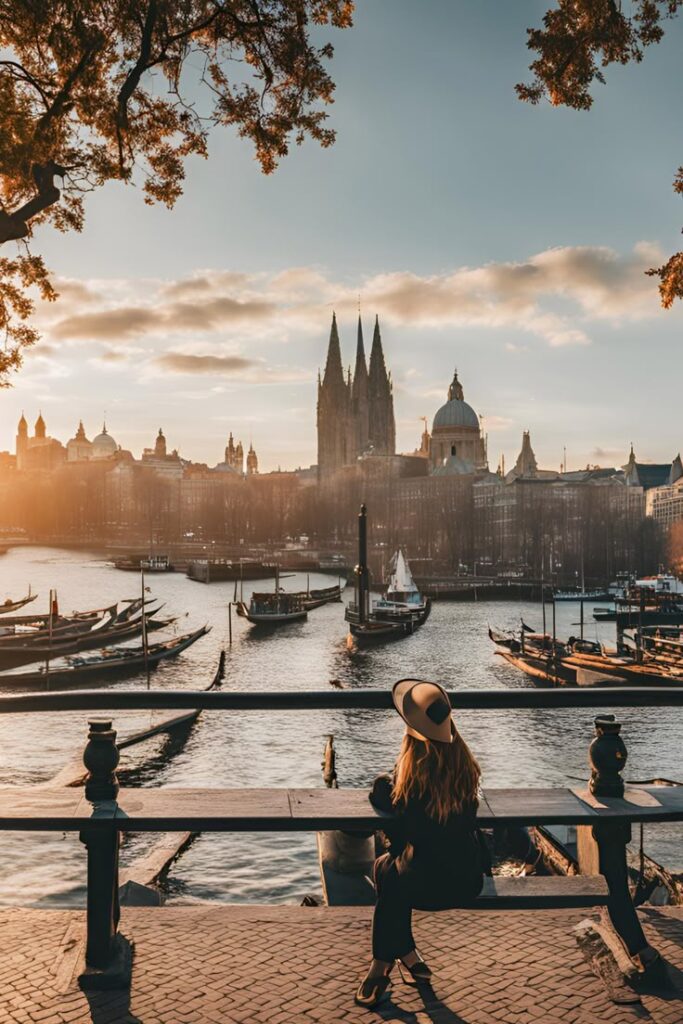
(456, 413)
(104, 445)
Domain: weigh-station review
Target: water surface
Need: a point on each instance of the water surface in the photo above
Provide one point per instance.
(284, 748)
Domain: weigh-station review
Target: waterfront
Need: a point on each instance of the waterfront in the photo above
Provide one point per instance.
(533, 748)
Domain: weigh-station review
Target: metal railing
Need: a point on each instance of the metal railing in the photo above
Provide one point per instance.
(334, 699)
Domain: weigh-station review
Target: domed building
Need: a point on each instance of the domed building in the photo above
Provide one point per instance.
(456, 445)
(104, 445)
(79, 448)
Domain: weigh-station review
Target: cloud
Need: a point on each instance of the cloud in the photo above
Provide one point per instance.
(179, 362)
(554, 295)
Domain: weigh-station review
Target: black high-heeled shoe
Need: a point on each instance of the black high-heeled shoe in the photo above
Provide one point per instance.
(420, 973)
(372, 991)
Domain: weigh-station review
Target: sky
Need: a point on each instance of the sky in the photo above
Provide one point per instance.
(506, 240)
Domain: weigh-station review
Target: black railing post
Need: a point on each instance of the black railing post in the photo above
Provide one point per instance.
(607, 755)
(107, 957)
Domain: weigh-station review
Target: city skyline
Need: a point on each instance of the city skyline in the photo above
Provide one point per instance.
(491, 237)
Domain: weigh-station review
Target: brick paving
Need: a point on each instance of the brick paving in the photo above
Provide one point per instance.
(295, 965)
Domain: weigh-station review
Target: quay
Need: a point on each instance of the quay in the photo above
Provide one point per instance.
(301, 965)
(547, 949)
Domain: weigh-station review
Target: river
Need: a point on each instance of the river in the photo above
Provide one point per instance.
(515, 748)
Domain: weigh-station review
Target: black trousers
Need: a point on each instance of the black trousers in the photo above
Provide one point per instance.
(399, 894)
(392, 936)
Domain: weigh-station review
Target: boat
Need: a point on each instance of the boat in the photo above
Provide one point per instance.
(366, 627)
(316, 598)
(402, 597)
(116, 661)
(206, 570)
(151, 563)
(273, 609)
(15, 655)
(582, 595)
(12, 606)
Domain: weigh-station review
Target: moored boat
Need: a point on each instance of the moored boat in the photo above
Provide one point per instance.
(402, 599)
(396, 620)
(9, 605)
(117, 661)
(276, 609)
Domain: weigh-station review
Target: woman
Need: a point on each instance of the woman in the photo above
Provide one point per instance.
(436, 857)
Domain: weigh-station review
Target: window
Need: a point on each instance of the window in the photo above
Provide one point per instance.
(453, 451)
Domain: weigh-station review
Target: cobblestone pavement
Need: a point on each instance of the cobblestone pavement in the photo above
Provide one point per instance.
(292, 965)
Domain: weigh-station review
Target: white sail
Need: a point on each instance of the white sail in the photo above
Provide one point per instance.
(401, 580)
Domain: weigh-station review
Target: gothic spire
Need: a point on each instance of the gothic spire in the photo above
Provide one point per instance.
(378, 370)
(360, 373)
(334, 373)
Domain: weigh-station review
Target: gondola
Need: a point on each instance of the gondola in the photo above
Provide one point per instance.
(119, 661)
(12, 606)
(27, 654)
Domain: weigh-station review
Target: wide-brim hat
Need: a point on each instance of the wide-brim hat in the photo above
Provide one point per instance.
(426, 710)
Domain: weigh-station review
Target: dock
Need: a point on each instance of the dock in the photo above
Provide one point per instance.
(301, 965)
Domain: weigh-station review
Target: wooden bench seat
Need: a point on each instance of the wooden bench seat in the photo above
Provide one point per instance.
(539, 892)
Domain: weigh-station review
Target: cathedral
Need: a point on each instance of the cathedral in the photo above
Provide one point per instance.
(355, 414)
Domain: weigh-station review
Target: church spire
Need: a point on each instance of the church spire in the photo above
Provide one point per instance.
(378, 369)
(380, 399)
(334, 373)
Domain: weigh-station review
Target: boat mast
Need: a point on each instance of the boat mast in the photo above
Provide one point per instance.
(144, 625)
(362, 575)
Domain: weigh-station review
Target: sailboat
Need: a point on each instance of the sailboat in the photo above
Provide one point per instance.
(366, 626)
(402, 597)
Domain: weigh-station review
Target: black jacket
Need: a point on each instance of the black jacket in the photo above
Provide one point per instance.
(442, 863)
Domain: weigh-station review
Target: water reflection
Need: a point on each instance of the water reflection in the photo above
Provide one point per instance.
(284, 748)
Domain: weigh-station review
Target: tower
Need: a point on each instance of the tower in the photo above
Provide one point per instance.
(334, 411)
(252, 461)
(526, 465)
(239, 457)
(382, 426)
(359, 396)
(40, 427)
(230, 452)
(160, 445)
(22, 441)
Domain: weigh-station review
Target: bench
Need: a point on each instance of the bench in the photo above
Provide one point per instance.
(48, 809)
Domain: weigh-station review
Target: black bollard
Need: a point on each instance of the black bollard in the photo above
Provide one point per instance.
(101, 758)
(107, 956)
(607, 756)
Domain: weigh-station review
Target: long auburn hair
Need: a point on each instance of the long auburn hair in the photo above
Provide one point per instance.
(446, 774)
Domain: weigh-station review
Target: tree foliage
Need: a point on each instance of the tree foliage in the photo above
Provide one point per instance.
(99, 90)
(579, 39)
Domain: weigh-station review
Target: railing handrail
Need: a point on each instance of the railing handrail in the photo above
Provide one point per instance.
(332, 699)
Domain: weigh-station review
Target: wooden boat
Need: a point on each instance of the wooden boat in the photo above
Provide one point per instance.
(316, 598)
(276, 609)
(13, 656)
(117, 661)
(12, 606)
